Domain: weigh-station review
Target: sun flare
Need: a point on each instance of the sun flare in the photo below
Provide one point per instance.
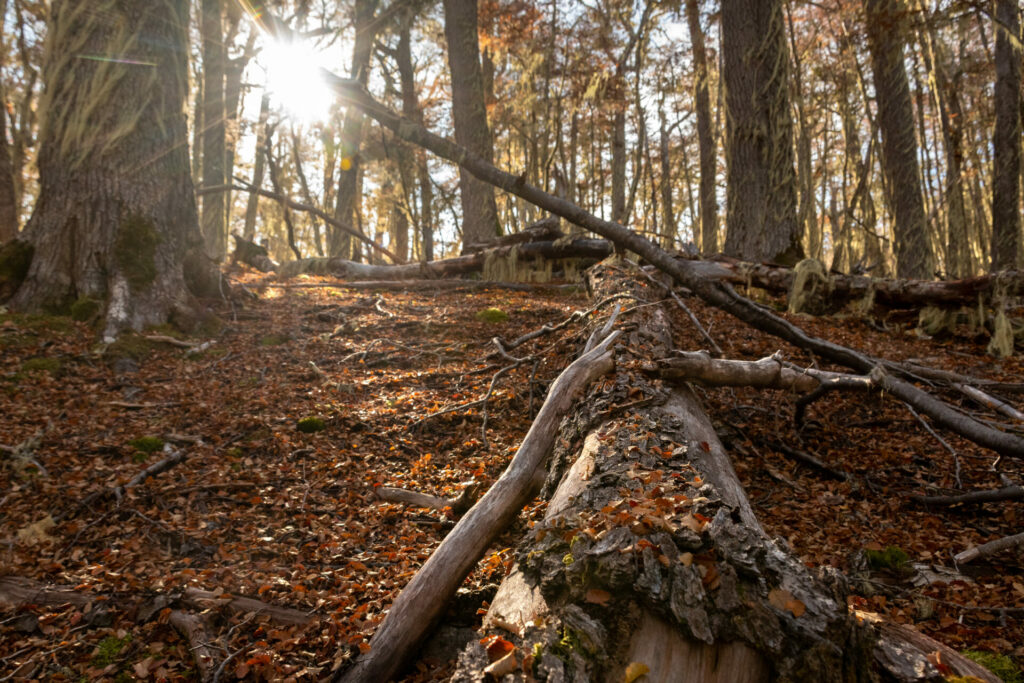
(294, 81)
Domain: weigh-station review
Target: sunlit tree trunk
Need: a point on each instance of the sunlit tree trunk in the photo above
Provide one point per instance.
(762, 220)
(214, 154)
(345, 207)
(705, 134)
(1006, 138)
(913, 249)
(479, 211)
(668, 219)
(116, 219)
(412, 109)
(259, 164)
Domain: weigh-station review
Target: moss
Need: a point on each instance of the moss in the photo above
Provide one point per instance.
(42, 364)
(1000, 665)
(15, 259)
(491, 315)
(135, 251)
(892, 558)
(39, 323)
(1001, 344)
(274, 340)
(933, 321)
(129, 346)
(85, 309)
(311, 424)
(108, 650)
(147, 444)
(810, 288)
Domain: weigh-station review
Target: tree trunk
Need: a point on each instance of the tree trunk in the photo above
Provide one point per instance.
(761, 206)
(8, 192)
(1006, 138)
(352, 132)
(479, 211)
(262, 135)
(885, 21)
(214, 152)
(668, 221)
(116, 214)
(705, 134)
(411, 108)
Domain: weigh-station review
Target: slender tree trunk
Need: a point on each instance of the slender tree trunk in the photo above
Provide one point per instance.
(1006, 138)
(705, 133)
(352, 134)
(8, 192)
(668, 220)
(914, 257)
(805, 173)
(262, 135)
(479, 210)
(116, 215)
(411, 108)
(213, 216)
(762, 220)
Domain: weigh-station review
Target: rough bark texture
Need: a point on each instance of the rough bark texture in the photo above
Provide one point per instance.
(259, 166)
(761, 193)
(116, 213)
(1006, 139)
(885, 21)
(705, 134)
(214, 216)
(650, 554)
(352, 133)
(479, 211)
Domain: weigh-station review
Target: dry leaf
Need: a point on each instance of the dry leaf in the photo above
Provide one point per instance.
(505, 665)
(635, 670)
(598, 596)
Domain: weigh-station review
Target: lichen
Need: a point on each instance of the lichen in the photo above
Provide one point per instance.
(135, 251)
(1001, 344)
(810, 287)
(311, 424)
(932, 320)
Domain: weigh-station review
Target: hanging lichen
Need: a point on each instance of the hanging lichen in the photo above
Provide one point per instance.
(932, 320)
(809, 293)
(1001, 344)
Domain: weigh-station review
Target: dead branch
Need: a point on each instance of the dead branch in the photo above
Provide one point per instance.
(974, 497)
(451, 284)
(686, 309)
(193, 630)
(716, 293)
(418, 605)
(242, 605)
(458, 505)
(175, 458)
(548, 328)
(808, 459)
(990, 548)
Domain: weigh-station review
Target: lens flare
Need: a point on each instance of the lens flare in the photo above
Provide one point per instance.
(294, 81)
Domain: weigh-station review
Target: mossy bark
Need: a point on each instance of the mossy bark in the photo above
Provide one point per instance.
(116, 216)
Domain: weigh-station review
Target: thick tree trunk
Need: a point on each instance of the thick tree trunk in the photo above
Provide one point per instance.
(116, 214)
(352, 133)
(479, 211)
(885, 29)
(761, 193)
(8, 191)
(1006, 138)
(705, 134)
(214, 214)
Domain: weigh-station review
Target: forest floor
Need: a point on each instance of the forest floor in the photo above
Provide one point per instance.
(260, 508)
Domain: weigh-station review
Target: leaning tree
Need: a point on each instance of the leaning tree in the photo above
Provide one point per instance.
(115, 221)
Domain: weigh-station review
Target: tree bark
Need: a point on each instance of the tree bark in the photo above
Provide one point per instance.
(263, 133)
(885, 28)
(761, 193)
(116, 216)
(214, 216)
(8, 191)
(345, 206)
(1006, 138)
(479, 210)
(705, 133)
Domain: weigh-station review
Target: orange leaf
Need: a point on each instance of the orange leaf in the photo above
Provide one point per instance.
(497, 647)
(635, 670)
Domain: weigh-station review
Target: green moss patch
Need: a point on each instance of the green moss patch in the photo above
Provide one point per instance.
(274, 340)
(311, 424)
(147, 444)
(129, 346)
(135, 251)
(108, 650)
(891, 558)
(492, 315)
(50, 365)
(85, 309)
(1000, 665)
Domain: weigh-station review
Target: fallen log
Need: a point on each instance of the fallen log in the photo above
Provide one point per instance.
(974, 497)
(990, 548)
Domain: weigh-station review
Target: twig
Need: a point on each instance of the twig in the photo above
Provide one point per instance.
(974, 497)
(808, 459)
(600, 334)
(990, 548)
(156, 468)
(686, 309)
(169, 340)
(956, 456)
(548, 328)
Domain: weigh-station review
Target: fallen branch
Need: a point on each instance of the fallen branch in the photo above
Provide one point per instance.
(808, 459)
(974, 497)
(449, 284)
(193, 630)
(175, 458)
(422, 600)
(548, 328)
(686, 309)
(458, 505)
(990, 548)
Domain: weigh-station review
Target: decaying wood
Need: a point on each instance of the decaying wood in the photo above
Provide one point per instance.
(990, 548)
(242, 605)
(449, 284)
(457, 505)
(421, 602)
(650, 553)
(193, 630)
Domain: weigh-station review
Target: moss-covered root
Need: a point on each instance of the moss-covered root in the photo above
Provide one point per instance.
(810, 288)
